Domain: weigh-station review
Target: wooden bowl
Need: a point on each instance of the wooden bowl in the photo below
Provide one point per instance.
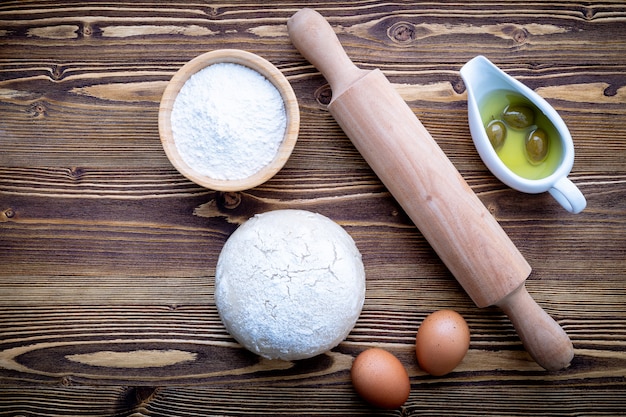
(253, 62)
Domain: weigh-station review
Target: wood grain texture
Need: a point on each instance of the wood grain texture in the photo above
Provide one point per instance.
(107, 253)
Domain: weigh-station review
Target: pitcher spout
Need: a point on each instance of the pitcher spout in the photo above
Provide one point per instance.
(481, 77)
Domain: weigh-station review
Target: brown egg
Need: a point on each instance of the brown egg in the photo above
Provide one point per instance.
(442, 341)
(380, 378)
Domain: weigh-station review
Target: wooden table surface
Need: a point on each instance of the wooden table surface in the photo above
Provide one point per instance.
(108, 254)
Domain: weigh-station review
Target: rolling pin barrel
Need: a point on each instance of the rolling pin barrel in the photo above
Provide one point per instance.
(429, 188)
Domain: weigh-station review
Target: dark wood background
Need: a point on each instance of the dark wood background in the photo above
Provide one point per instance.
(107, 254)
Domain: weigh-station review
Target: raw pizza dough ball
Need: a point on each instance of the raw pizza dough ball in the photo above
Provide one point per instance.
(289, 284)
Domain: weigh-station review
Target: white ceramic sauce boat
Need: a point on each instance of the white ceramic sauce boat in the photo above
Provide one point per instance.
(482, 77)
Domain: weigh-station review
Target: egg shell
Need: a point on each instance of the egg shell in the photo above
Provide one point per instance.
(441, 342)
(380, 378)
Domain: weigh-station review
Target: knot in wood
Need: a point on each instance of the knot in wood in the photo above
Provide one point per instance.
(458, 86)
(9, 213)
(402, 32)
(138, 397)
(228, 200)
(87, 31)
(144, 395)
(611, 90)
(323, 95)
(56, 72)
(37, 110)
(76, 173)
(520, 35)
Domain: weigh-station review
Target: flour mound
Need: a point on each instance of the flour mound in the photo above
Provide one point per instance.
(289, 284)
(228, 121)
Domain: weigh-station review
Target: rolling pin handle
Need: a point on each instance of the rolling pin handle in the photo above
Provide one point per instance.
(316, 40)
(543, 338)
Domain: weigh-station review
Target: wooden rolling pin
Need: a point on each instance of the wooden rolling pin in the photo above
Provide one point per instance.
(429, 188)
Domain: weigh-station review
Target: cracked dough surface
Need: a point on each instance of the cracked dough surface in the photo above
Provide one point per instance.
(289, 284)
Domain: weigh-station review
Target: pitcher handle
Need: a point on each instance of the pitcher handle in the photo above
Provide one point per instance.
(568, 195)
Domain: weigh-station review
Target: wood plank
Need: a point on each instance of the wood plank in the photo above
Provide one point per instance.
(333, 401)
(123, 94)
(106, 222)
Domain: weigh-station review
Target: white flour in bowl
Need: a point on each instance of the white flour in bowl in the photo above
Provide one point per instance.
(228, 121)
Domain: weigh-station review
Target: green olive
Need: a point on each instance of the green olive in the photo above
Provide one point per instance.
(537, 146)
(518, 117)
(496, 132)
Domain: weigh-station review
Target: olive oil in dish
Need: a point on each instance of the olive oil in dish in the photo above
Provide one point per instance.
(511, 120)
